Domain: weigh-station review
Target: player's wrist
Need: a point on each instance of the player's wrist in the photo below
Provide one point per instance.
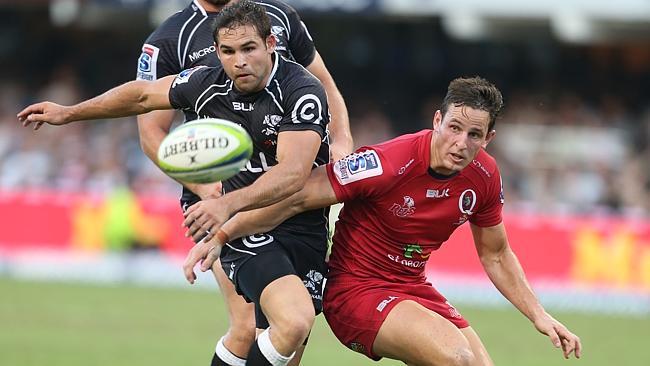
(222, 236)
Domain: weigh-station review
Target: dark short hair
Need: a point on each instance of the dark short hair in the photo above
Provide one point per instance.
(476, 93)
(243, 12)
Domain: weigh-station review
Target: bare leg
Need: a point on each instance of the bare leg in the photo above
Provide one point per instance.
(241, 332)
(418, 336)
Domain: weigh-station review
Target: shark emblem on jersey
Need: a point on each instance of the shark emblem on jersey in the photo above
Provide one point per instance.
(270, 123)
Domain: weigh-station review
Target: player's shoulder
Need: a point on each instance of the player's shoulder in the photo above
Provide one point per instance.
(199, 75)
(410, 144)
(483, 167)
(276, 7)
(169, 30)
(292, 75)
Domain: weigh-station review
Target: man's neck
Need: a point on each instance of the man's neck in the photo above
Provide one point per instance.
(209, 7)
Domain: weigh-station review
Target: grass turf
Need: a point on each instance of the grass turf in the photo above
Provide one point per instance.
(75, 324)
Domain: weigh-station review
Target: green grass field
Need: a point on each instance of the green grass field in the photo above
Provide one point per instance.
(71, 324)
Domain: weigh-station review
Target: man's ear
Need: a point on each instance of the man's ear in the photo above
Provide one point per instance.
(437, 120)
(489, 138)
(271, 42)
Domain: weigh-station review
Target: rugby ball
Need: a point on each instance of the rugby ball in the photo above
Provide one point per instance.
(205, 151)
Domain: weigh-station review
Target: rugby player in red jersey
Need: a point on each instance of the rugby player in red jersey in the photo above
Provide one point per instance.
(403, 199)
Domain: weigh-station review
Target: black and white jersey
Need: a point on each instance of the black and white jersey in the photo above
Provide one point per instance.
(293, 100)
(185, 40)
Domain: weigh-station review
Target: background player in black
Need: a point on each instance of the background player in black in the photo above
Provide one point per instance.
(279, 96)
(185, 40)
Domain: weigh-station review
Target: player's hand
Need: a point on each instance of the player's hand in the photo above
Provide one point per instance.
(203, 219)
(560, 336)
(206, 252)
(205, 191)
(45, 112)
(339, 150)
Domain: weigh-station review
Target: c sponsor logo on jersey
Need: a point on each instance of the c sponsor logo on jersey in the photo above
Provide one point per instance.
(184, 75)
(407, 208)
(357, 166)
(257, 240)
(308, 109)
(147, 62)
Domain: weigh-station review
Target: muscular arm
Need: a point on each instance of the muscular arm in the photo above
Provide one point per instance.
(316, 193)
(152, 128)
(339, 127)
(296, 153)
(504, 270)
(132, 98)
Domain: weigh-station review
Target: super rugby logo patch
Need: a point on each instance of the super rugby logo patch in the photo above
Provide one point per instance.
(147, 63)
(358, 166)
(184, 76)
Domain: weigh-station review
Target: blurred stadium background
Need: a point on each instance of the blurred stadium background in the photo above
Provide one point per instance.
(91, 245)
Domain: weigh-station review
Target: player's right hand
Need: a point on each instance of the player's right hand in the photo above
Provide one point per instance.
(44, 112)
(206, 252)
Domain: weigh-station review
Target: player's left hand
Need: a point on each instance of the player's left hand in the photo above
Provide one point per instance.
(560, 336)
(206, 252)
(45, 112)
(206, 217)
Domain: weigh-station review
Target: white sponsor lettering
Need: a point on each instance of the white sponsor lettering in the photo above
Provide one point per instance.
(403, 169)
(406, 262)
(264, 168)
(200, 53)
(435, 193)
(246, 107)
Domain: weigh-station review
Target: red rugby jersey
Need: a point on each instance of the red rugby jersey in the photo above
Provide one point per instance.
(397, 210)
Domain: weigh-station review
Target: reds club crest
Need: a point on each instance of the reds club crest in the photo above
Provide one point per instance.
(407, 208)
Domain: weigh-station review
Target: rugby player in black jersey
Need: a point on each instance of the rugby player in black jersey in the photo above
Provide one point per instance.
(186, 40)
(285, 110)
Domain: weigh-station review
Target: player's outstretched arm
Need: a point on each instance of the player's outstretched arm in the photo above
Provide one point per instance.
(503, 269)
(317, 193)
(132, 98)
(296, 153)
(339, 126)
(153, 127)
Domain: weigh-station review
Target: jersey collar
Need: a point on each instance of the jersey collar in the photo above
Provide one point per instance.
(276, 57)
(205, 13)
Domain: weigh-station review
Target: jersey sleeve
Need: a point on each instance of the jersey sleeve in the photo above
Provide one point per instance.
(490, 212)
(305, 107)
(188, 87)
(156, 61)
(301, 45)
(362, 174)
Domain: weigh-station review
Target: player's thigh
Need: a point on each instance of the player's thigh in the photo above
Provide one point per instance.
(479, 350)
(286, 300)
(418, 336)
(242, 314)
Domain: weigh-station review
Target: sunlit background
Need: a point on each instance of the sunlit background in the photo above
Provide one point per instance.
(82, 203)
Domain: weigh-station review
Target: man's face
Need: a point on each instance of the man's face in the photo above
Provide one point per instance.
(246, 57)
(459, 136)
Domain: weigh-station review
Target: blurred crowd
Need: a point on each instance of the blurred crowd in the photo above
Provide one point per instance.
(557, 154)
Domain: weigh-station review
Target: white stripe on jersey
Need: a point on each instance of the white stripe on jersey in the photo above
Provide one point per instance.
(275, 68)
(287, 25)
(181, 62)
(275, 100)
(239, 250)
(187, 45)
(198, 110)
(277, 83)
(206, 90)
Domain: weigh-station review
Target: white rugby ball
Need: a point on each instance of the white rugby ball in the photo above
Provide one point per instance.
(205, 151)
